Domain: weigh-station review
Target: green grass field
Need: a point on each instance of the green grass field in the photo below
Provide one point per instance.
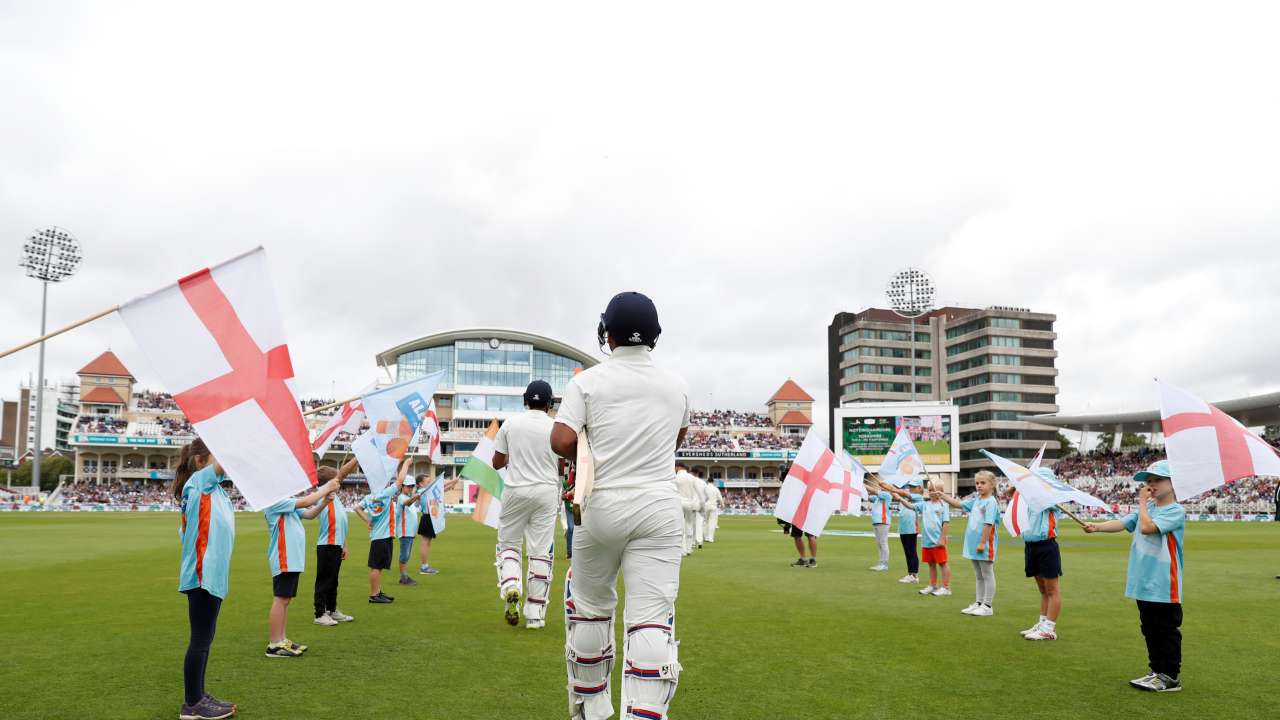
(93, 627)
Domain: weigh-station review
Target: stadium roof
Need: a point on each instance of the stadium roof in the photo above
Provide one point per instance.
(106, 364)
(791, 392)
(101, 396)
(388, 357)
(1252, 411)
(795, 417)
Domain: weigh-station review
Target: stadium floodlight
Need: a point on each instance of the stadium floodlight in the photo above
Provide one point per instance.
(50, 254)
(910, 294)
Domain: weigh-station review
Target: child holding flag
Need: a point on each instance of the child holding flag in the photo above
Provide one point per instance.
(1043, 561)
(407, 525)
(425, 527)
(880, 499)
(935, 520)
(376, 510)
(909, 507)
(1155, 574)
(208, 535)
(287, 558)
(980, 542)
(331, 549)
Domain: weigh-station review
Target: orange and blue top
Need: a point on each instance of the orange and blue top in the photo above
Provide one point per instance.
(880, 508)
(1155, 560)
(1041, 525)
(933, 515)
(382, 512)
(982, 512)
(408, 517)
(208, 534)
(285, 550)
(333, 524)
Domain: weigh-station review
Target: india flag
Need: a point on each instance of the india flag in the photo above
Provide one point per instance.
(479, 470)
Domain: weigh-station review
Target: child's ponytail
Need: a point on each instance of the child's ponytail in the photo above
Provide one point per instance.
(187, 459)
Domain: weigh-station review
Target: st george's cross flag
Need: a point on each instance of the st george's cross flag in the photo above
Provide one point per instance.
(1016, 517)
(216, 340)
(902, 463)
(348, 419)
(431, 434)
(805, 500)
(395, 415)
(1037, 491)
(1207, 447)
(479, 470)
(849, 493)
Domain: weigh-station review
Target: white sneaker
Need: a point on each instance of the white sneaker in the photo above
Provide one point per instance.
(928, 590)
(906, 579)
(879, 568)
(969, 610)
(340, 616)
(1031, 629)
(942, 592)
(326, 620)
(983, 611)
(535, 624)
(1042, 633)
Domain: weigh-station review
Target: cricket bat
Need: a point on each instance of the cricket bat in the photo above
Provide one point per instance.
(584, 476)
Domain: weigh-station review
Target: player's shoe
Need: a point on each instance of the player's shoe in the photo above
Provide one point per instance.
(1141, 682)
(282, 650)
(229, 705)
(1031, 629)
(929, 590)
(205, 710)
(800, 563)
(381, 599)
(535, 624)
(879, 568)
(942, 592)
(326, 620)
(406, 580)
(983, 611)
(969, 610)
(512, 612)
(908, 579)
(427, 570)
(294, 645)
(1157, 682)
(1042, 633)
(813, 562)
(340, 616)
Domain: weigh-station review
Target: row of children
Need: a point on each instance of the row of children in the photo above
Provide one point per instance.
(208, 537)
(1154, 578)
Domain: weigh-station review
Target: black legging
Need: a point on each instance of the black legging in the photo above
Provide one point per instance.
(202, 609)
(909, 549)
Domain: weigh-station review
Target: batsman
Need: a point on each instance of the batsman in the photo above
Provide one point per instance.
(633, 415)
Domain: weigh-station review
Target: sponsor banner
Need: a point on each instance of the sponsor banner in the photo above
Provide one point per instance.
(130, 440)
(740, 483)
(738, 454)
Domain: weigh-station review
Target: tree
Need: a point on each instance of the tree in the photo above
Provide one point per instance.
(52, 468)
(1066, 447)
(1130, 440)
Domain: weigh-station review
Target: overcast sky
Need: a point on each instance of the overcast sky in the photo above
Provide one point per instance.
(754, 171)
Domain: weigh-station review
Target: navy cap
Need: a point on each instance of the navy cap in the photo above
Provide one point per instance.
(538, 392)
(630, 319)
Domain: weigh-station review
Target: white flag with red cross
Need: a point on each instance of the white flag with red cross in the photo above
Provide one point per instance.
(1208, 447)
(431, 434)
(348, 419)
(217, 343)
(850, 491)
(806, 500)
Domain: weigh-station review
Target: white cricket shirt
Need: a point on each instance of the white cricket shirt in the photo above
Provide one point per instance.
(632, 411)
(526, 441)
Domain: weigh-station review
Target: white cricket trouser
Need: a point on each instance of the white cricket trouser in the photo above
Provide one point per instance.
(528, 517)
(882, 542)
(699, 521)
(688, 530)
(711, 522)
(640, 532)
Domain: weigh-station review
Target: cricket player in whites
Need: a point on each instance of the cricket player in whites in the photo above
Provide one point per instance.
(691, 503)
(530, 500)
(634, 415)
(711, 515)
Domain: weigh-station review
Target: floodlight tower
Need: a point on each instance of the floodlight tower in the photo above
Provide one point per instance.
(910, 294)
(50, 254)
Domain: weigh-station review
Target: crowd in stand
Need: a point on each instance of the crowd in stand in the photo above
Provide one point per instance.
(700, 440)
(1106, 463)
(155, 401)
(165, 426)
(101, 424)
(728, 418)
(768, 441)
(312, 403)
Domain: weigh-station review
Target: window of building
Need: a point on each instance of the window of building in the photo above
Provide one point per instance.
(426, 361)
(1007, 323)
(1005, 341)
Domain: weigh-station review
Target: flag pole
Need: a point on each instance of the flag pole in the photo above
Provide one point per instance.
(1072, 515)
(322, 408)
(61, 330)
